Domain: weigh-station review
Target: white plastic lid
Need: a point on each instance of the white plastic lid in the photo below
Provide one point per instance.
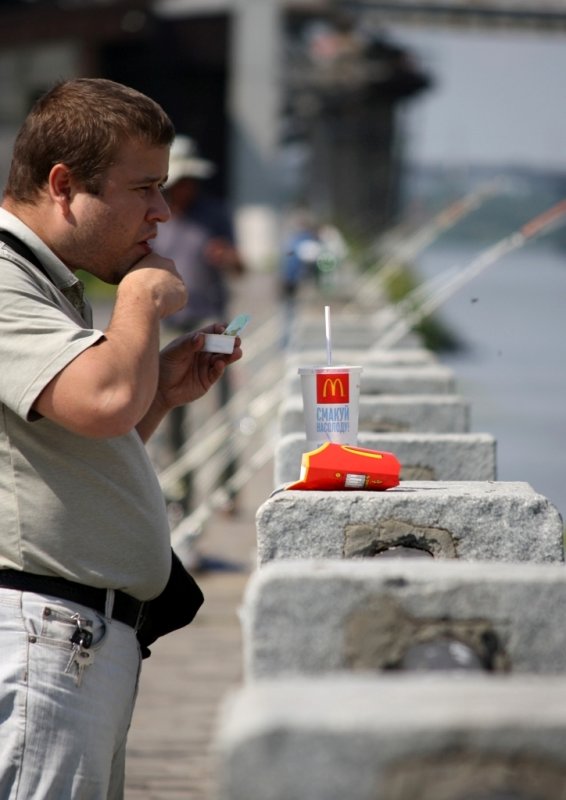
(218, 343)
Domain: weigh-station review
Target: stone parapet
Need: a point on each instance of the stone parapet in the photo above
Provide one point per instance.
(403, 644)
(423, 456)
(429, 413)
(372, 356)
(379, 380)
(394, 738)
(313, 617)
(349, 331)
(479, 520)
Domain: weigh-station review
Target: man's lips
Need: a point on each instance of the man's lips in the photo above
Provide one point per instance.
(146, 243)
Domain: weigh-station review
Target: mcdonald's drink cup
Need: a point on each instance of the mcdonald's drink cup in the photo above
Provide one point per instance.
(331, 400)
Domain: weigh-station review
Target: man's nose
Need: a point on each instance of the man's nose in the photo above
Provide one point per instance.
(159, 210)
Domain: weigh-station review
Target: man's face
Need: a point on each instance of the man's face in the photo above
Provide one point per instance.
(113, 230)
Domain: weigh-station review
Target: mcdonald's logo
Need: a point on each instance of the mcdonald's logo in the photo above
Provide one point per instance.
(333, 388)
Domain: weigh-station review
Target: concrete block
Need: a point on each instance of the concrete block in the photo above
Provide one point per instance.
(373, 356)
(392, 413)
(474, 520)
(394, 738)
(423, 456)
(313, 617)
(348, 331)
(424, 379)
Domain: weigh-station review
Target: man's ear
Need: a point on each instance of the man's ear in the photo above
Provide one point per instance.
(61, 186)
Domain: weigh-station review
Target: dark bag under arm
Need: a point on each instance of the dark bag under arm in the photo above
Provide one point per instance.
(174, 608)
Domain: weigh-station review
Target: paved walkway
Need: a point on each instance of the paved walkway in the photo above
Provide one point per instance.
(190, 671)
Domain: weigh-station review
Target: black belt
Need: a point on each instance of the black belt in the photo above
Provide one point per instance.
(126, 608)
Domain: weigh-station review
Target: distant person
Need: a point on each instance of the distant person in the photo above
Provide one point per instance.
(301, 249)
(200, 239)
(312, 252)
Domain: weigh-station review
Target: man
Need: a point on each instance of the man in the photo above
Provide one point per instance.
(201, 240)
(83, 517)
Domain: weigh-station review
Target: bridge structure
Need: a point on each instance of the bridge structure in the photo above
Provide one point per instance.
(544, 15)
(226, 60)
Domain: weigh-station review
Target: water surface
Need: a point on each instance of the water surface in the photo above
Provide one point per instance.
(512, 319)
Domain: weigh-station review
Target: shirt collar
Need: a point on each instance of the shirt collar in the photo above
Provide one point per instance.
(60, 275)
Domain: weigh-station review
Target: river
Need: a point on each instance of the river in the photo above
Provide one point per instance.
(513, 369)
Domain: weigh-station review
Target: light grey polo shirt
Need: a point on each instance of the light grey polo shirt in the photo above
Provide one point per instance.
(89, 510)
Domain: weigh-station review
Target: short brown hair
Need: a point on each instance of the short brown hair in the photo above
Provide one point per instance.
(82, 123)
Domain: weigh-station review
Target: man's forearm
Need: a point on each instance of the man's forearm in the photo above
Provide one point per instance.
(147, 426)
(110, 387)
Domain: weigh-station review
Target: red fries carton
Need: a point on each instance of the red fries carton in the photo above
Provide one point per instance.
(342, 466)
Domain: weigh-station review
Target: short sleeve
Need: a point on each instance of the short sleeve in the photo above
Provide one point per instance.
(38, 337)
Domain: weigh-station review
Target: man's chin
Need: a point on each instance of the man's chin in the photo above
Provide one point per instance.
(120, 272)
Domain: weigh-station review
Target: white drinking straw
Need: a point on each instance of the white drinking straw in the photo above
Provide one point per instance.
(328, 337)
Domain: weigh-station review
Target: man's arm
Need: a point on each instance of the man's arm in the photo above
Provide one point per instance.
(111, 386)
(185, 374)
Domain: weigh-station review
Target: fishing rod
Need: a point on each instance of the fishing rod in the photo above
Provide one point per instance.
(423, 237)
(448, 217)
(537, 226)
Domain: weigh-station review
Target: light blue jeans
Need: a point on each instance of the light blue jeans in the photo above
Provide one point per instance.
(63, 729)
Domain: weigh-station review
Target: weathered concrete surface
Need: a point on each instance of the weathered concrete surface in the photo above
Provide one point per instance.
(372, 356)
(349, 331)
(425, 379)
(312, 617)
(394, 738)
(392, 413)
(423, 456)
(479, 520)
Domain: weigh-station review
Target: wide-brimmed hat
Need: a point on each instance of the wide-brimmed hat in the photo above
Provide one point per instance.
(185, 161)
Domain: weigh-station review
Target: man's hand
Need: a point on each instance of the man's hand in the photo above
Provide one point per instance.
(185, 374)
(158, 277)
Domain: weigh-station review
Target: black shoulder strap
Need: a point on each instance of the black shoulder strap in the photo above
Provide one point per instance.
(74, 293)
(22, 250)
